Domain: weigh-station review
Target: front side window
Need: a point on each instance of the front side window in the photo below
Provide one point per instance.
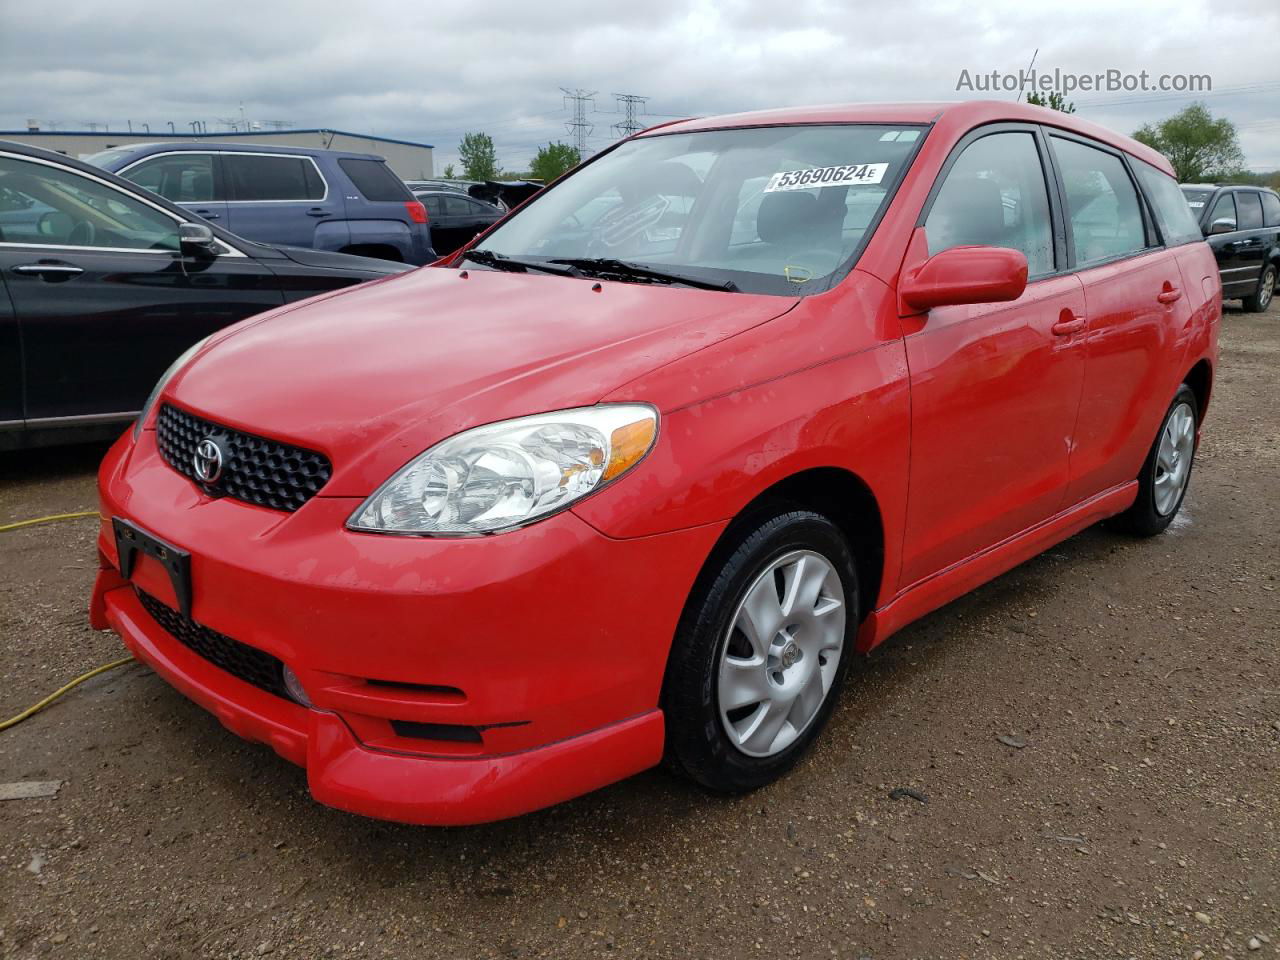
(181, 178)
(1248, 210)
(255, 177)
(995, 196)
(1172, 211)
(1106, 219)
(1224, 209)
(55, 207)
(777, 210)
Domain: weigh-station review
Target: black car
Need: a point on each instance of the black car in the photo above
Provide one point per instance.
(103, 284)
(455, 218)
(1242, 225)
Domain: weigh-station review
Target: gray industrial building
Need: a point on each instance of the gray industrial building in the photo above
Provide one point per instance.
(409, 160)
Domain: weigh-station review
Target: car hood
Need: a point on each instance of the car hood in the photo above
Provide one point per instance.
(376, 374)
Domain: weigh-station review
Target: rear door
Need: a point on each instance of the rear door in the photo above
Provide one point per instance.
(191, 180)
(994, 387)
(279, 198)
(104, 301)
(1137, 311)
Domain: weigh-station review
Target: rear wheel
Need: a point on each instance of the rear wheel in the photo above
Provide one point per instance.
(760, 652)
(1166, 474)
(1260, 299)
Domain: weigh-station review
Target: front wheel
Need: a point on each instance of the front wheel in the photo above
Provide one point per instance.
(760, 652)
(1260, 299)
(1162, 484)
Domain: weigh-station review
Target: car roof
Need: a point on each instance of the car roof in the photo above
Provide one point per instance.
(219, 146)
(964, 115)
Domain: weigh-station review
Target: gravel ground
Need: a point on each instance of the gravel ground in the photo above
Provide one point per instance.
(1097, 734)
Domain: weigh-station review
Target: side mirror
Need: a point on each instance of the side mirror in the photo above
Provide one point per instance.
(964, 275)
(197, 240)
(1225, 225)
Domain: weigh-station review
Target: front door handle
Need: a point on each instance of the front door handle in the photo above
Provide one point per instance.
(318, 212)
(1068, 323)
(209, 216)
(1169, 295)
(59, 271)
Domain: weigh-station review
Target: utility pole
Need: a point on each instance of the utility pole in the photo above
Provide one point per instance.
(579, 127)
(632, 106)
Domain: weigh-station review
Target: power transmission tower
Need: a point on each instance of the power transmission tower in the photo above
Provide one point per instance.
(632, 106)
(579, 127)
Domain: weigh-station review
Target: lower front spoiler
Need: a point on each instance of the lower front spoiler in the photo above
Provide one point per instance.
(343, 773)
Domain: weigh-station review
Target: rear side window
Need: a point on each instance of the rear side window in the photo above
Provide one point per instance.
(256, 177)
(374, 180)
(1177, 222)
(182, 178)
(1271, 209)
(457, 207)
(1249, 208)
(995, 196)
(433, 206)
(1106, 220)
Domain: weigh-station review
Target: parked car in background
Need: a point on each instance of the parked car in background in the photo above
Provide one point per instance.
(456, 218)
(1242, 225)
(583, 498)
(103, 285)
(456, 186)
(324, 199)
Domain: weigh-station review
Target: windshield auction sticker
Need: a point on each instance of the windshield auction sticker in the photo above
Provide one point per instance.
(839, 176)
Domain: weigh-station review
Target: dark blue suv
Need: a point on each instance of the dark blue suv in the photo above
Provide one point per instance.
(324, 199)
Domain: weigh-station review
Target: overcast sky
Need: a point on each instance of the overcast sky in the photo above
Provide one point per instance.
(430, 72)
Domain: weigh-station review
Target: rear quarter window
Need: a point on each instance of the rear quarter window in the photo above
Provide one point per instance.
(1175, 218)
(374, 180)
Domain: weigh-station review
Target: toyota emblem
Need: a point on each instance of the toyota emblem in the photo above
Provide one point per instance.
(207, 461)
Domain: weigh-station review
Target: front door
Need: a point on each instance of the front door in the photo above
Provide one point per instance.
(192, 180)
(994, 387)
(103, 299)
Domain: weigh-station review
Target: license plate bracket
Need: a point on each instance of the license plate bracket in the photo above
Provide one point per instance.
(132, 540)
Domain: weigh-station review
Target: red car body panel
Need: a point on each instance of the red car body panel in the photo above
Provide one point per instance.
(568, 621)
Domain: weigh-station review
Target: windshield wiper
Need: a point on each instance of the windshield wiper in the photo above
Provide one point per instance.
(606, 266)
(500, 261)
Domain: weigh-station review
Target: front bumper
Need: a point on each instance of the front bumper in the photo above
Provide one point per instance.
(452, 681)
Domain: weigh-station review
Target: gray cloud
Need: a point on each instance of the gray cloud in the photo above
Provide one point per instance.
(432, 73)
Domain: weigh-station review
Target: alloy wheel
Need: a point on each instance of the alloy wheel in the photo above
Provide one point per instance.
(1173, 459)
(1268, 288)
(780, 656)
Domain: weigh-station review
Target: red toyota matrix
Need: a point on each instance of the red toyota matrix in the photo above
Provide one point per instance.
(636, 475)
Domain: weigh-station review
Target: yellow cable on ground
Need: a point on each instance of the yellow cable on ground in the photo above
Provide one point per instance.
(14, 721)
(48, 519)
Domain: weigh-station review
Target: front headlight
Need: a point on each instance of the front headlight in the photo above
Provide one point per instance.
(163, 381)
(508, 474)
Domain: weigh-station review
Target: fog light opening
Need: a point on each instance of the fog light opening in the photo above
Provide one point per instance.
(293, 686)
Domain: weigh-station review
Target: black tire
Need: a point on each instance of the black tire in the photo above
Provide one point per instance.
(1260, 299)
(697, 745)
(1143, 519)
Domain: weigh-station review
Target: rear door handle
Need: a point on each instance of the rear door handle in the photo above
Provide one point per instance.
(318, 212)
(1068, 323)
(1172, 295)
(60, 270)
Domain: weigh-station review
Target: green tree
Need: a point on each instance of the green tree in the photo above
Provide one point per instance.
(1053, 100)
(479, 159)
(1199, 146)
(553, 160)
(448, 171)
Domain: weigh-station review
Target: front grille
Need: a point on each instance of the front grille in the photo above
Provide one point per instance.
(247, 663)
(256, 470)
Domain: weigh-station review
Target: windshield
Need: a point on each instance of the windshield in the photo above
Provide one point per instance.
(1196, 199)
(778, 210)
